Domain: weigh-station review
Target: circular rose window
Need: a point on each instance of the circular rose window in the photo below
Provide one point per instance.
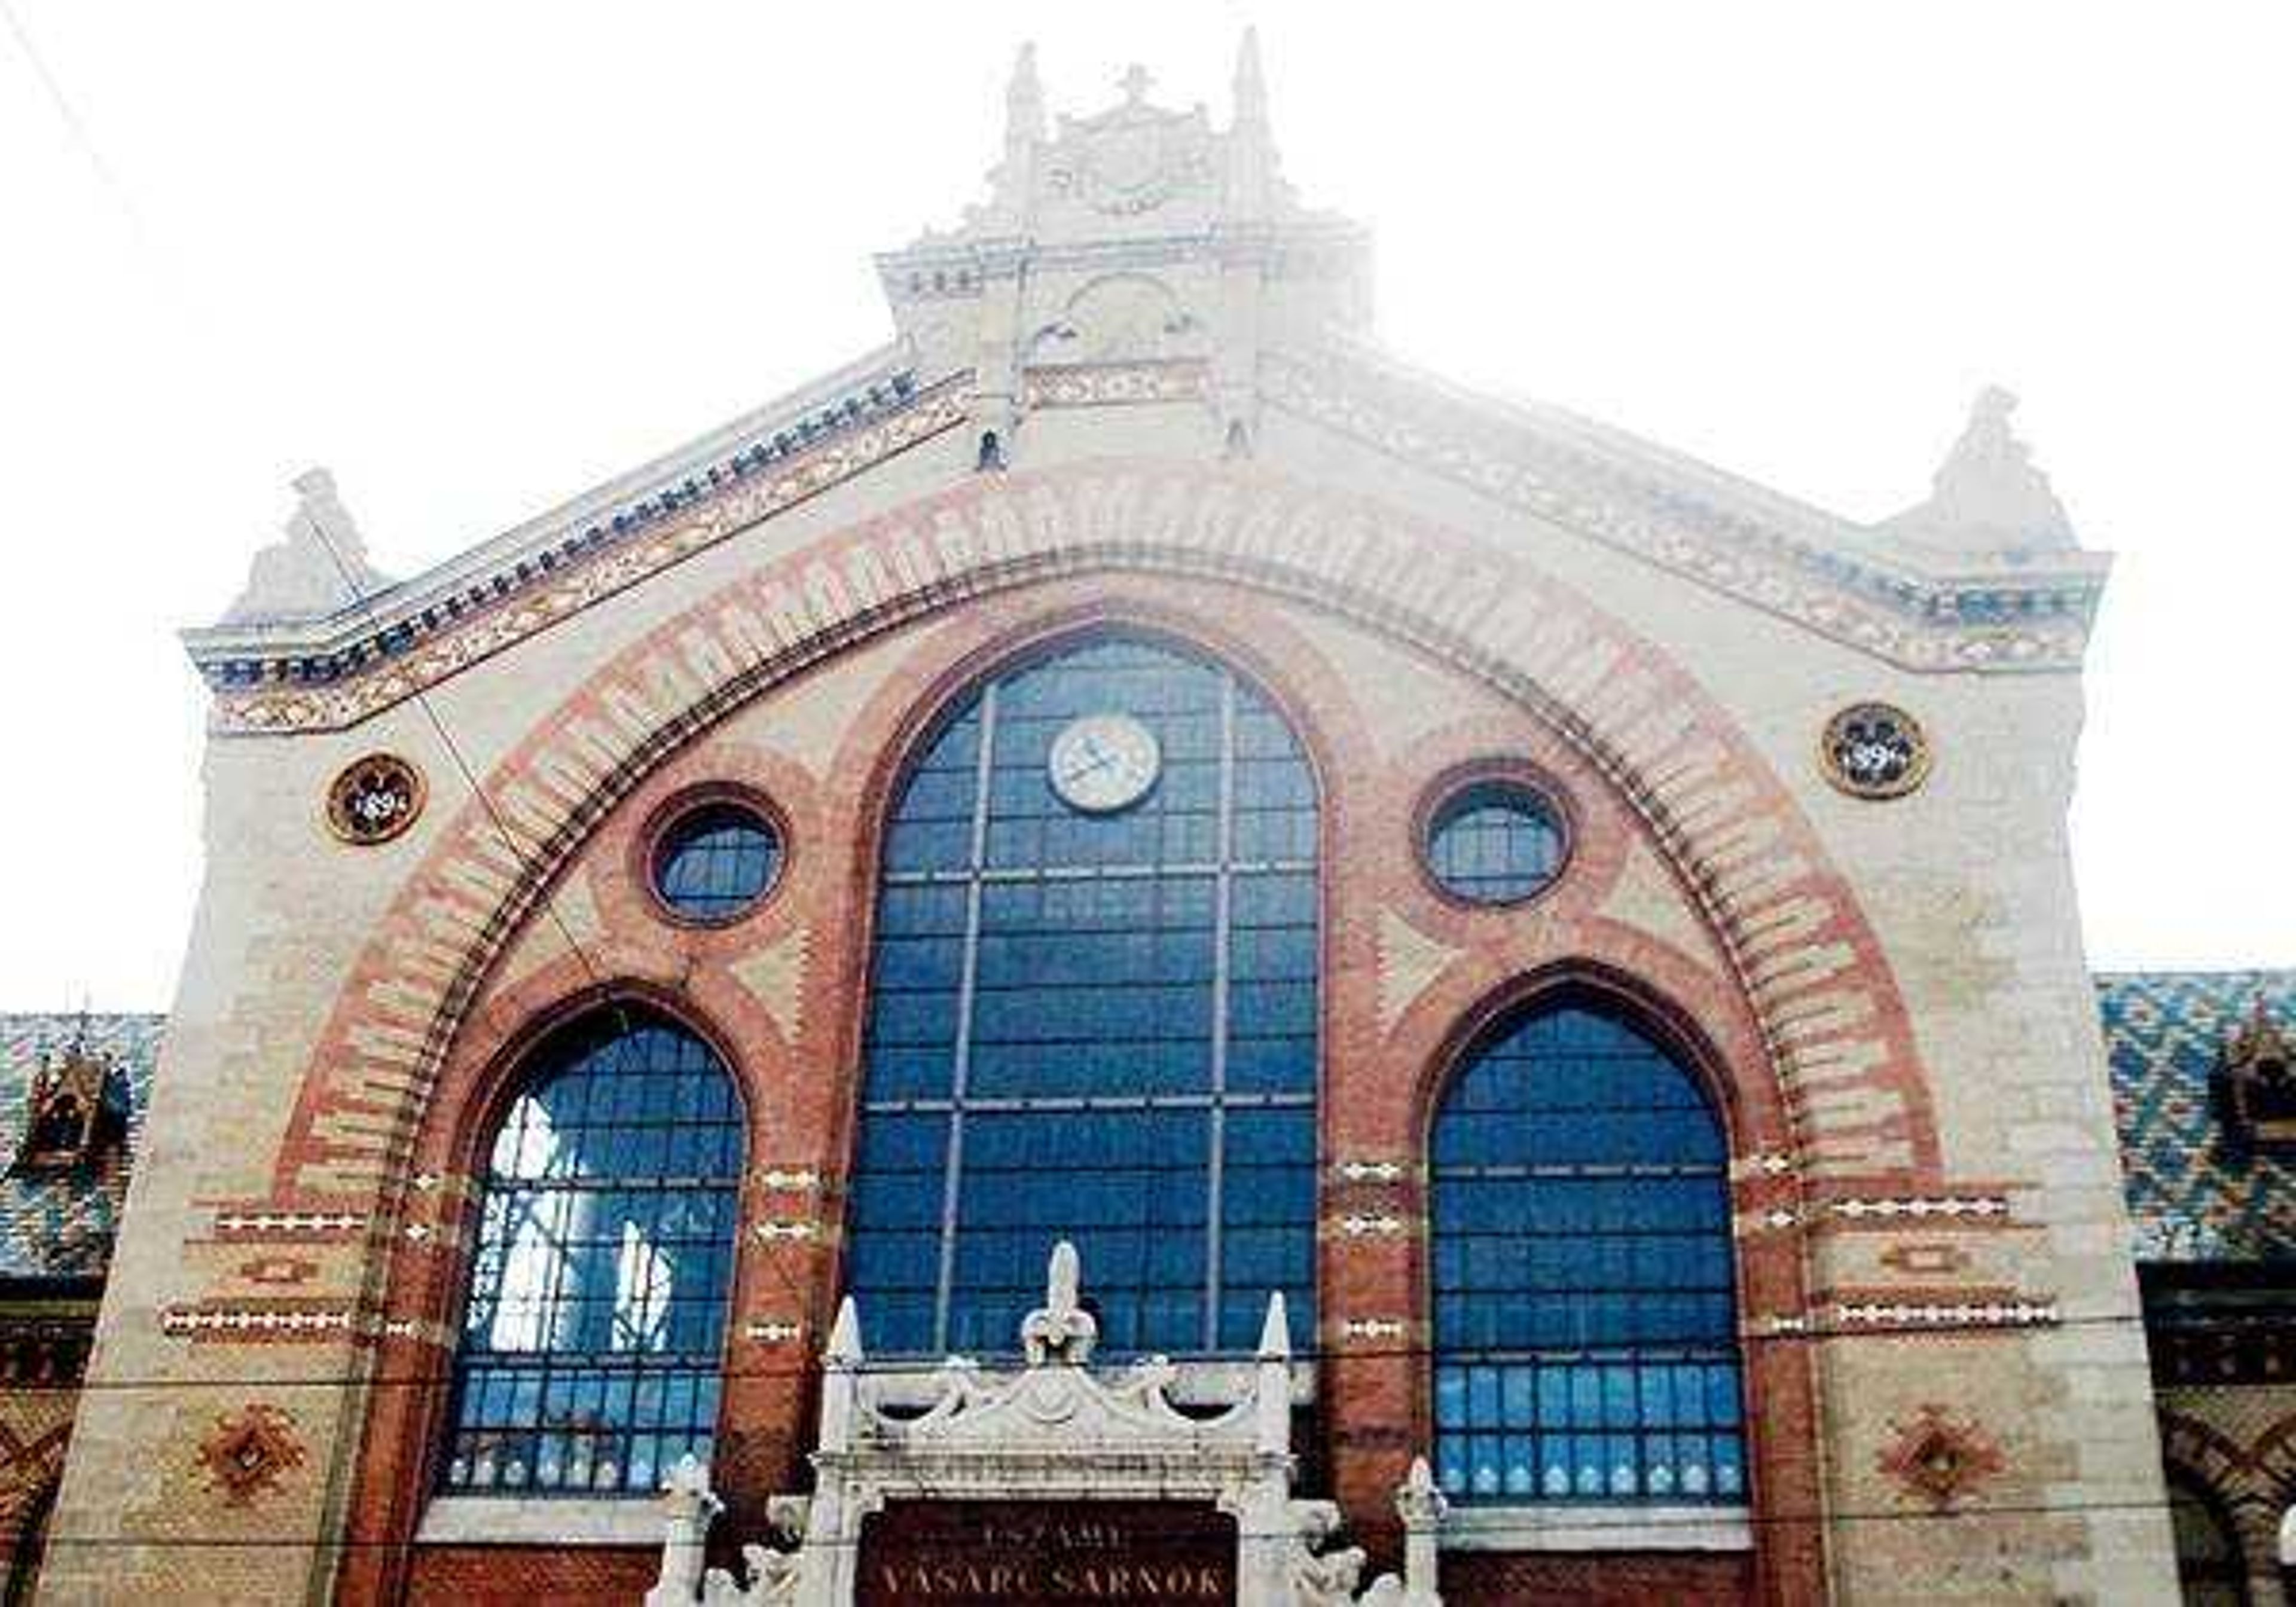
(1495, 842)
(715, 860)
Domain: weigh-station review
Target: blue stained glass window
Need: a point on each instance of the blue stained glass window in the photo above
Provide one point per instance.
(1094, 1026)
(589, 1355)
(715, 861)
(1495, 843)
(1585, 1308)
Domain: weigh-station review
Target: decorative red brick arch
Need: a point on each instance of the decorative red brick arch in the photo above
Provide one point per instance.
(1808, 988)
(1797, 941)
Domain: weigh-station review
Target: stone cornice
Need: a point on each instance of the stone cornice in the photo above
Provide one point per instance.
(783, 444)
(1798, 562)
(1793, 562)
(336, 672)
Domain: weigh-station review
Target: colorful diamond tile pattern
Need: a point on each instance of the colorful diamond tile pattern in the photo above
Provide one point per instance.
(2195, 1197)
(59, 1224)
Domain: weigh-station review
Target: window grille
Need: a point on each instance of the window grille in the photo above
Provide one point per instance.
(1585, 1312)
(1101, 1026)
(591, 1343)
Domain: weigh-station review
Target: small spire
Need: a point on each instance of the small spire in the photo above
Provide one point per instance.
(1252, 182)
(1276, 1331)
(845, 1335)
(1250, 85)
(1024, 99)
(1135, 83)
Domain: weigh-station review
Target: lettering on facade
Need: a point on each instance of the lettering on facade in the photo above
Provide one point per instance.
(1017, 1554)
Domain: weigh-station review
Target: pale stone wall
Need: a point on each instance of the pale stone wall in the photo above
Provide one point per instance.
(1965, 885)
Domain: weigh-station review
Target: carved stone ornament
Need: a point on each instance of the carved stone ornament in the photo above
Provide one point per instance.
(1874, 751)
(375, 799)
(1938, 1459)
(1131, 159)
(2256, 1082)
(1053, 1431)
(248, 1452)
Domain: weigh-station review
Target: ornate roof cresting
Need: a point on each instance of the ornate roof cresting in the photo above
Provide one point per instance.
(1987, 497)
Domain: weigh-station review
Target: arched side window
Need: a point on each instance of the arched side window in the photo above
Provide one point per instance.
(1093, 1012)
(591, 1343)
(2211, 1569)
(1585, 1313)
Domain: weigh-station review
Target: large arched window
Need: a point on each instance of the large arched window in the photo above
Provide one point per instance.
(1094, 1012)
(1585, 1318)
(590, 1346)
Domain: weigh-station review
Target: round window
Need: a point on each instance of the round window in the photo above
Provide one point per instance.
(715, 861)
(1495, 843)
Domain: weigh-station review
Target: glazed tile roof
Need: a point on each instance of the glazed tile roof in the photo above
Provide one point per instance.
(2194, 1198)
(60, 1225)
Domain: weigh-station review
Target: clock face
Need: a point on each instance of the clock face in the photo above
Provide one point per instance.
(1101, 763)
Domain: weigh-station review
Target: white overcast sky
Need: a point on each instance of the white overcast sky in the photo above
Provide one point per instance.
(478, 258)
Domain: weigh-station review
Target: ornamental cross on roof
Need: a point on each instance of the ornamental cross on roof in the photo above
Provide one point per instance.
(1135, 83)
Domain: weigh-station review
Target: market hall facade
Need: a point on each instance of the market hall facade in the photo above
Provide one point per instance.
(1131, 925)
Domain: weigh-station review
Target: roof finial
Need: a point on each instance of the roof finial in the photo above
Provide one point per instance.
(318, 566)
(1251, 150)
(1135, 83)
(1024, 98)
(1987, 496)
(1251, 87)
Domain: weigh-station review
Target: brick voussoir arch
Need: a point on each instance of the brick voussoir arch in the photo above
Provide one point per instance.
(1831, 1020)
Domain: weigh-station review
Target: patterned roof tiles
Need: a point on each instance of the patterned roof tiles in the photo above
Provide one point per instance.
(59, 1224)
(2195, 1197)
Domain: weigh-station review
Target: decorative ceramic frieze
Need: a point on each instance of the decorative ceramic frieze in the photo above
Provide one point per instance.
(1975, 1313)
(1807, 569)
(1921, 1207)
(1116, 384)
(254, 694)
(803, 1180)
(786, 1233)
(229, 1319)
(291, 1225)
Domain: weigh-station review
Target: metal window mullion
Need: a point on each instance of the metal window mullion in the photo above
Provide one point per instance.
(961, 1070)
(1215, 1174)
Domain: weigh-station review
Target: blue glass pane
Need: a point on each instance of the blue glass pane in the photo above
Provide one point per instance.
(1077, 1004)
(1495, 843)
(1585, 1305)
(589, 1354)
(715, 861)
